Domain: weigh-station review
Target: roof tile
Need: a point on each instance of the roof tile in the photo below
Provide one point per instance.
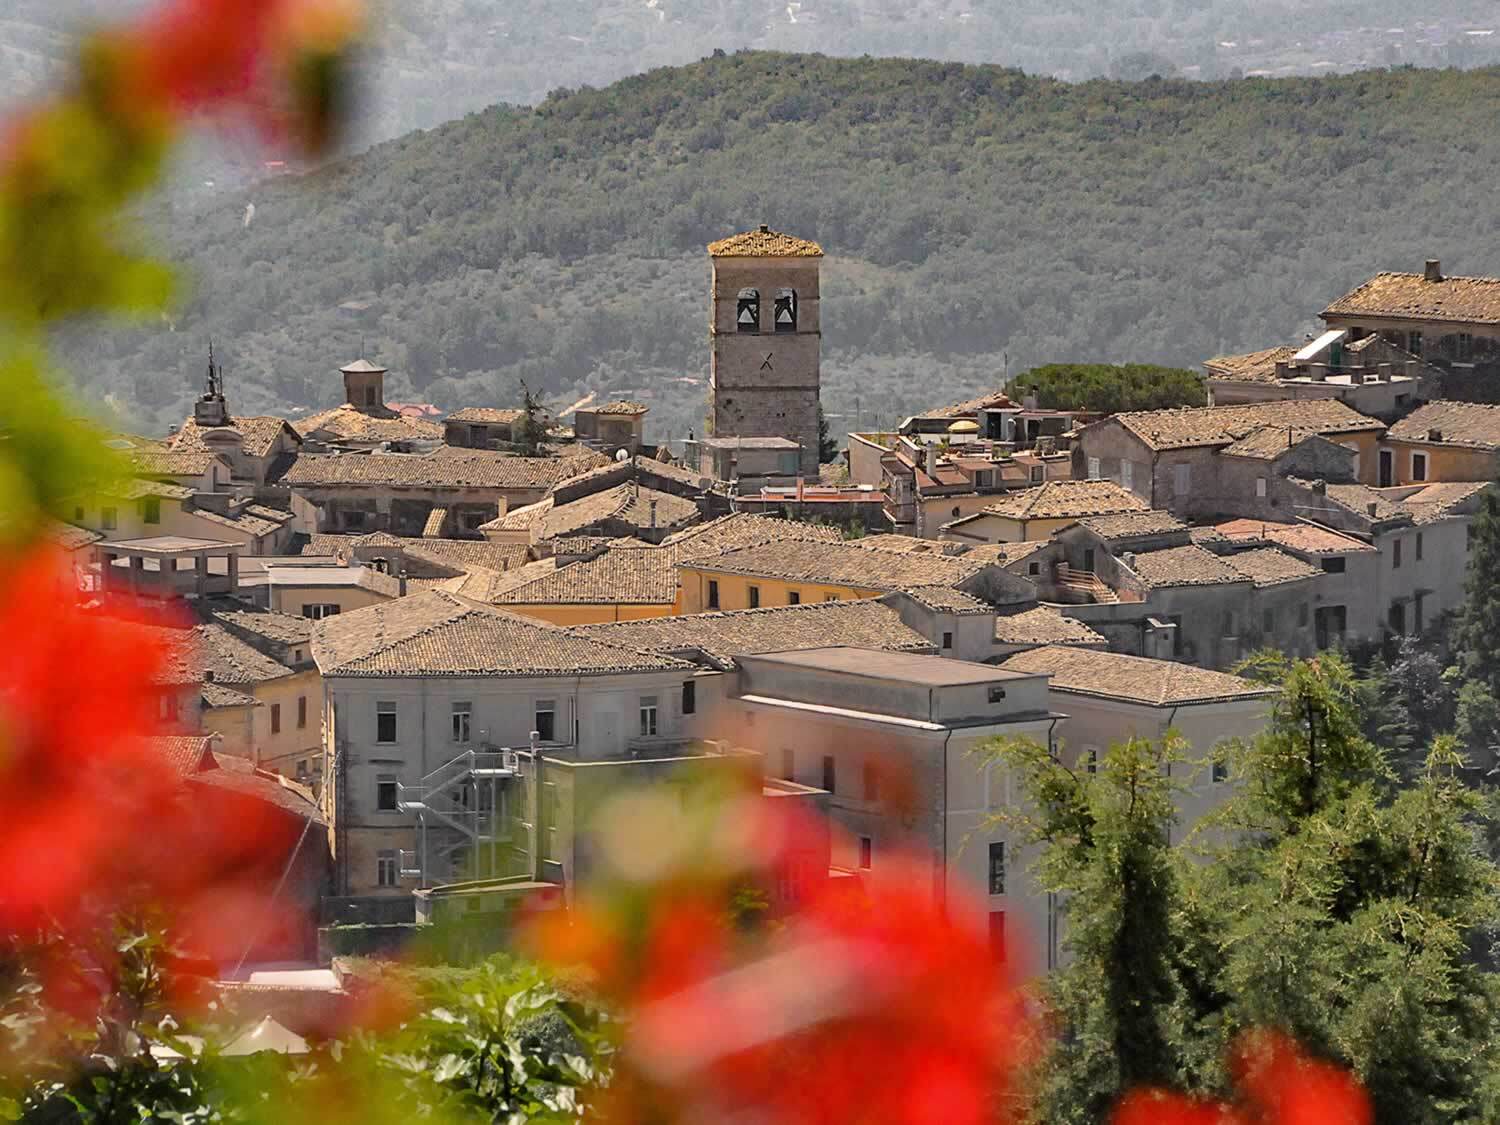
(1159, 683)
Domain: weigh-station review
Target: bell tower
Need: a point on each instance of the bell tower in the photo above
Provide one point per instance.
(766, 339)
(364, 386)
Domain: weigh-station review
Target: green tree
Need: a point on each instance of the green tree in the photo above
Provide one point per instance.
(1104, 845)
(530, 431)
(1109, 388)
(828, 447)
(1478, 722)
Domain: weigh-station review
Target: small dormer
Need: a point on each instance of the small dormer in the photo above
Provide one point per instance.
(364, 385)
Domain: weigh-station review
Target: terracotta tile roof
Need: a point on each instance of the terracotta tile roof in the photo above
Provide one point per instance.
(438, 516)
(282, 628)
(764, 243)
(156, 462)
(1431, 503)
(523, 518)
(481, 584)
(637, 468)
(472, 468)
(439, 634)
(252, 518)
(486, 415)
(135, 489)
(1270, 566)
(1410, 296)
(1130, 525)
(184, 753)
(349, 423)
(948, 599)
(218, 695)
(619, 407)
(1184, 566)
(258, 435)
(839, 564)
(743, 529)
(909, 545)
(1188, 427)
(1139, 679)
(71, 538)
(1003, 554)
(1253, 367)
(970, 407)
(724, 636)
(239, 776)
(625, 503)
(466, 552)
(1043, 625)
(616, 577)
(1472, 424)
(1067, 499)
(1267, 443)
(223, 658)
(1308, 538)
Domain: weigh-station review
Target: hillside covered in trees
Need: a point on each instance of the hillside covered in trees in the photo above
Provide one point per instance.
(976, 221)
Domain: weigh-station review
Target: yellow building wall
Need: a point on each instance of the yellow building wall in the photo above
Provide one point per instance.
(734, 591)
(235, 727)
(1367, 445)
(1444, 462)
(130, 522)
(590, 614)
(291, 599)
(281, 750)
(938, 510)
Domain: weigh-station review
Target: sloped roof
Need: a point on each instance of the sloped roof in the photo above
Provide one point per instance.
(487, 415)
(1043, 625)
(1267, 443)
(473, 468)
(622, 406)
(1410, 296)
(1131, 525)
(1252, 367)
(625, 503)
(948, 599)
(1139, 679)
(258, 435)
(724, 636)
(764, 243)
(970, 406)
(1067, 499)
(842, 564)
(1003, 554)
(222, 657)
(281, 628)
(349, 423)
(743, 529)
(1270, 566)
(1472, 424)
(440, 634)
(1310, 539)
(154, 461)
(909, 544)
(363, 367)
(1184, 566)
(1429, 504)
(185, 754)
(1187, 427)
(646, 576)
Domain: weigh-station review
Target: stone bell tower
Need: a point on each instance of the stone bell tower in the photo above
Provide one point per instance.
(766, 339)
(364, 385)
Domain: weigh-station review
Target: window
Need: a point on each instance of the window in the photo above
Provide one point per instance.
(1419, 616)
(385, 793)
(784, 312)
(747, 311)
(1127, 473)
(1414, 343)
(109, 518)
(1333, 565)
(871, 780)
(1396, 618)
(1419, 546)
(1268, 622)
(957, 511)
(302, 771)
(151, 509)
(1395, 554)
(690, 697)
(997, 868)
(275, 718)
(545, 720)
(1329, 622)
(1465, 345)
(648, 716)
(1229, 624)
(77, 515)
(1260, 487)
(1302, 615)
(387, 871)
(829, 777)
(788, 764)
(1182, 480)
(1469, 537)
(997, 694)
(713, 594)
(1093, 468)
(460, 719)
(319, 610)
(794, 597)
(1418, 466)
(866, 852)
(1091, 760)
(830, 597)
(385, 722)
(1220, 769)
(754, 597)
(166, 707)
(297, 656)
(947, 640)
(301, 712)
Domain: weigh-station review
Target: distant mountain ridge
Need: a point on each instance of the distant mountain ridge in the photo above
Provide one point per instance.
(975, 219)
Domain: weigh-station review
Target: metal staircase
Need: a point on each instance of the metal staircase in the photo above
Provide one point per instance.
(470, 802)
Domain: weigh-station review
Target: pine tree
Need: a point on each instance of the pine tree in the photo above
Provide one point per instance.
(1478, 721)
(530, 431)
(828, 448)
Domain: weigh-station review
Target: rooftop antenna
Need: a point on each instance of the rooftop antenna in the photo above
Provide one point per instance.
(215, 375)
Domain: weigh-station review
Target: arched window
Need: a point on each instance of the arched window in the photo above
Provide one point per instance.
(747, 313)
(785, 314)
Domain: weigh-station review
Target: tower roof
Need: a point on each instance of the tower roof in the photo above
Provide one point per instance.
(763, 242)
(362, 367)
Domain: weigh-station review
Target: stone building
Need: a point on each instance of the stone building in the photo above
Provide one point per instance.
(1450, 322)
(612, 426)
(1035, 513)
(481, 427)
(1442, 441)
(363, 421)
(766, 339)
(1371, 375)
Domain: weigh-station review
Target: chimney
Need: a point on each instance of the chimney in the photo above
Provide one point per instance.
(765, 228)
(1320, 488)
(1370, 509)
(1434, 435)
(1434, 270)
(929, 459)
(800, 483)
(1319, 372)
(1283, 370)
(653, 515)
(401, 582)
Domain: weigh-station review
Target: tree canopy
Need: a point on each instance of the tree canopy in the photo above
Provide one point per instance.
(1109, 387)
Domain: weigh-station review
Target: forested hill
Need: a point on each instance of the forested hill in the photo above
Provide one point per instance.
(967, 212)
